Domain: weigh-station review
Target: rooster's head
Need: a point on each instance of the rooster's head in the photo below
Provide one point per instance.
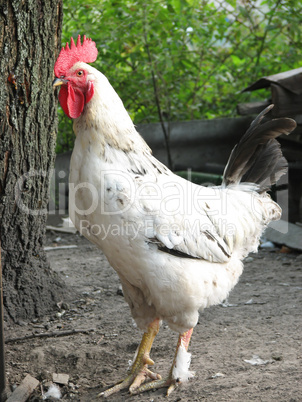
(76, 87)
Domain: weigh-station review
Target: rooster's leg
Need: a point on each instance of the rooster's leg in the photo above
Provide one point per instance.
(179, 371)
(139, 370)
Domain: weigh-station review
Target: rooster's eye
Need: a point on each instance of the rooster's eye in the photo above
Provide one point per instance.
(80, 73)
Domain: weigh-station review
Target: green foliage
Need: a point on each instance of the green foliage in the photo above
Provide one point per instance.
(185, 59)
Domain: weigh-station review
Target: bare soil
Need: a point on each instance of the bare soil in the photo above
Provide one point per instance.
(261, 317)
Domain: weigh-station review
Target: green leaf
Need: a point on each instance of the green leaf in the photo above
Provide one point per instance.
(199, 72)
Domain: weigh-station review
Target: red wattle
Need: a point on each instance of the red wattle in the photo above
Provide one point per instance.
(75, 102)
(63, 95)
(72, 101)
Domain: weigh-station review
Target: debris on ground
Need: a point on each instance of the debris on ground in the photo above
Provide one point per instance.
(267, 244)
(257, 361)
(60, 378)
(53, 392)
(285, 233)
(217, 375)
(60, 247)
(24, 390)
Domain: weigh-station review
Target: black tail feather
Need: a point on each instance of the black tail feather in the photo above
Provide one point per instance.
(257, 158)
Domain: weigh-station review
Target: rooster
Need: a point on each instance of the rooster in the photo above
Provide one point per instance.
(177, 247)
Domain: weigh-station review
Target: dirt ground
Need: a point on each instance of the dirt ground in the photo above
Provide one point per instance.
(262, 317)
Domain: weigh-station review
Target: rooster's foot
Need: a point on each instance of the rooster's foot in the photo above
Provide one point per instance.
(139, 371)
(134, 381)
(179, 371)
(180, 365)
(168, 382)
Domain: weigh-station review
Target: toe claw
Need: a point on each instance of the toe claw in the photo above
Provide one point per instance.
(157, 384)
(171, 388)
(153, 376)
(141, 378)
(116, 388)
(148, 361)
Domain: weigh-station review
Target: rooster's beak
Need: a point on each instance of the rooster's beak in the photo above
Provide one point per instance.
(58, 81)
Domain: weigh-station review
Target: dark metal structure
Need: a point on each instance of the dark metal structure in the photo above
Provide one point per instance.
(286, 95)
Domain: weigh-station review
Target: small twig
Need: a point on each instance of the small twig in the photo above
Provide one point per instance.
(49, 334)
(100, 340)
(166, 131)
(262, 44)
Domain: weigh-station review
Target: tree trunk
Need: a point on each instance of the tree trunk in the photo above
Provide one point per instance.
(30, 33)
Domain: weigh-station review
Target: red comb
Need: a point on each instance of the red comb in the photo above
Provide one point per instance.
(85, 52)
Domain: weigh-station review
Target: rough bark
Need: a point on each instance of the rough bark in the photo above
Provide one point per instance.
(30, 33)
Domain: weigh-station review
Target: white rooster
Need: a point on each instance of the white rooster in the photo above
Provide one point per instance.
(177, 247)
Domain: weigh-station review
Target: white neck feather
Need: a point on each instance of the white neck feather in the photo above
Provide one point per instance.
(105, 120)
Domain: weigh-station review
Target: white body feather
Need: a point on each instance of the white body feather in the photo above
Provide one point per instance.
(181, 367)
(177, 247)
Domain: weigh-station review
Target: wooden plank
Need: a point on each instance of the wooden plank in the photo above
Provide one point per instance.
(252, 107)
(60, 378)
(290, 80)
(285, 233)
(286, 103)
(25, 389)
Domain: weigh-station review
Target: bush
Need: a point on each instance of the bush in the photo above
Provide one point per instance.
(185, 59)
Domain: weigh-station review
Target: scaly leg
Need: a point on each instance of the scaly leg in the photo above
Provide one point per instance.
(180, 367)
(179, 371)
(139, 370)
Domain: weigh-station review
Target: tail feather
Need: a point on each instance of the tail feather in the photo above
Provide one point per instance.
(269, 165)
(257, 158)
